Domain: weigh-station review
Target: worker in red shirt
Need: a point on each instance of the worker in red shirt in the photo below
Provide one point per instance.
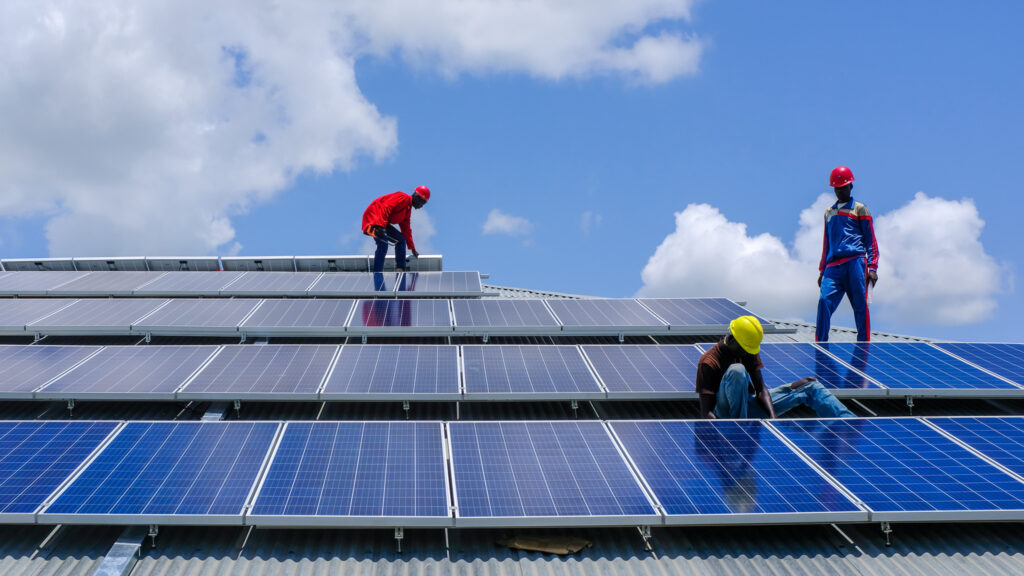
(380, 217)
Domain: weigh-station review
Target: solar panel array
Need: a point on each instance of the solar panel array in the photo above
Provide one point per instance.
(26, 368)
(683, 313)
(271, 372)
(1006, 360)
(395, 372)
(999, 438)
(638, 371)
(527, 372)
(789, 362)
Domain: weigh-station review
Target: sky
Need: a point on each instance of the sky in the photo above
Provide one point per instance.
(652, 148)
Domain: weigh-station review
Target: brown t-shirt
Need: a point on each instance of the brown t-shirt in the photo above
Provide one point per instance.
(716, 361)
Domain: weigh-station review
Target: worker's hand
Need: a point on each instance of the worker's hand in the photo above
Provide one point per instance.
(872, 277)
(415, 254)
(820, 276)
(710, 416)
(801, 382)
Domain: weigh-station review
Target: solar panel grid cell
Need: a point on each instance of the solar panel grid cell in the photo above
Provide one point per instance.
(16, 313)
(35, 283)
(354, 284)
(299, 316)
(440, 283)
(192, 316)
(496, 316)
(262, 372)
(607, 313)
(199, 283)
(1006, 360)
(271, 284)
(107, 283)
(785, 363)
(999, 438)
(97, 316)
(527, 372)
(130, 372)
(389, 315)
(683, 312)
(392, 371)
(26, 368)
(633, 371)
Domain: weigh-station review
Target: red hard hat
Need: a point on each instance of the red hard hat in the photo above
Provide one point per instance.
(423, 191)
(840, 176)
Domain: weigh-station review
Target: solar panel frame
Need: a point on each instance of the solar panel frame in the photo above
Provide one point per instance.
(775, 355)
(337, 385)
(194, 316)
(653, 517)
(36, 366)
(1002, 359)
(699, 315)
(98, 316)
(191, 263)
(259, 264)
(598, 316)
(484, 365)
(510, 316)
(772, 464)
(103, 264)
(38, 264)
(186, 284)
(354, 284)
(17, 313)
(638, 359)
(272, 283)
(110, 283)
(351, 263)
(299, 317)
(440, 284)
(401, 317)
(35, 283)
(255, 518)
(278, 361)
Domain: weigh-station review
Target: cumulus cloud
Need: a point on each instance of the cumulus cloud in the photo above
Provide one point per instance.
(499, 222)
(144, 127)
(933, 267)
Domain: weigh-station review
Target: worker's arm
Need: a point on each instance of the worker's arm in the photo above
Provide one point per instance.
(867, 230)
(407, 232)
(707, 406)
(801, 382)
(708, 396)
(761, 391)
(824, 252)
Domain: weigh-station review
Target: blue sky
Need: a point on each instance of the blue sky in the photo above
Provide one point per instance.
(913, 96)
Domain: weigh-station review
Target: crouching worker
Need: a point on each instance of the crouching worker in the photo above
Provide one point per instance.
(730, 385)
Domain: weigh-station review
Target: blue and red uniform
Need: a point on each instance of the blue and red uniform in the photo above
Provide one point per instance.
(394, 208)
(848, 251)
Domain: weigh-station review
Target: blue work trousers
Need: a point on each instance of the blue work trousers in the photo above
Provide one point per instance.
(850, 279)
(382, 249)
(735, 400)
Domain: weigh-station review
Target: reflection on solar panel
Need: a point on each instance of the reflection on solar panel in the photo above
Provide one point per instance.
(168, 472)
(496, 316)
(729, 471)
(407, 315)
(411, 372)
(16, 313)
(130, 372)
(354, 284)
(349, 472)
(97, 316)
(25, 368)
(610, 313)
(184, 316)
(645, 371)
(497, 372)
(696, 312)
(903, 469)
(262, 372)
(914, 365)
(35, 283)
(106, 283)
(189, 284)
(1006, 360)
(440, 283)
(37, 457)
(272, 284)
(999, 438)
(789, 362)
(299, 316)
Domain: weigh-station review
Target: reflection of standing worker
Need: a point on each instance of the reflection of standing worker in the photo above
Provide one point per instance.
(380, 217)
(849, 258)
(733, 463)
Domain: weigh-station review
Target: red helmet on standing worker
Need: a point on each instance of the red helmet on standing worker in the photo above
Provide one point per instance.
(841, 176)
(423, 191)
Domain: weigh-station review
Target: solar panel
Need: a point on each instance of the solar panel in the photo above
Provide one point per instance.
(189, 284)
(405, 316)
(15, 313)
(97, 316)
(106, 264)
(902, 469)
(25, 368)
(356, 473)
(1006, 360)
(269, 372)
(503, 317)
(168, 473)
(259, 264)
(271, 284)
(332, 263)
(730, 471)
(354, 284)
(638, 371)
(543, 473)
(106, 284)
(917, 366)
(999, 438)
(394, 372)
(440, 283)
(130, 373)
(36, 457)
(35, 283)
(184, 263)
(697, 314)
(614, 315)
(298, 317)
(38, 264)
(527, 373)
(195, 316)
(789, 362)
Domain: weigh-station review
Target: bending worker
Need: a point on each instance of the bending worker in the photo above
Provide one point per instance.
(849, 258)
(730, 385)
(380, 217)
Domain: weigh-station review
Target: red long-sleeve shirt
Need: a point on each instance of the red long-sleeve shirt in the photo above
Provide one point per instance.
(394, 208)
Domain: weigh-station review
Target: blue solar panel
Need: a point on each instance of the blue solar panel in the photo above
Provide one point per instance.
(97, 315)
(1006, 360)
(36, 457)
(914, 365)
(25, 368)
(440, 283)
(530, 372)
(35, 283)
(605, 313)
(106, 283)
(262, 372)
(408, 315)
(785, 363)
(999, 438)
(543, 470)
(299, 316)
(652, 371)
(159, 472)
(408, 372)
(130, 372)
(271, 284)
(354, 284)
(503, 315)
(191, 315)
(902, 468)
(200, 283)
(343, 471)
(15, 313)
(734, 468)
(696, 312)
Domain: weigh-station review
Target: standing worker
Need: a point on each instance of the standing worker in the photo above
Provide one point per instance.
(849, 258)
(382, 214)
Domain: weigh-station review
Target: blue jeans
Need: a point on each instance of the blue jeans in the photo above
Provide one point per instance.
(735, 401)
(382, 249)
(846, 279)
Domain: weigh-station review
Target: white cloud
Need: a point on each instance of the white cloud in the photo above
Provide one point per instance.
(590, 222)
(144, 127)
(500, 223)
(933, 268)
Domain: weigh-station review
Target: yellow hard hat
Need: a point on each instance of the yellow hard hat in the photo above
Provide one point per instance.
(748, 332)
